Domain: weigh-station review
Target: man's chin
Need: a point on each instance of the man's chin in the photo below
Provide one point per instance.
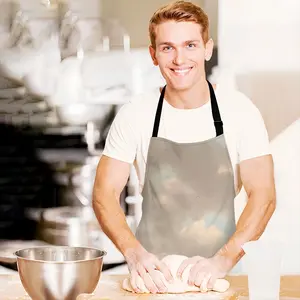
(181, 86)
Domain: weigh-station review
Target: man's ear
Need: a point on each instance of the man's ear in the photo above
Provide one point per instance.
(209, 47)
(153, 55)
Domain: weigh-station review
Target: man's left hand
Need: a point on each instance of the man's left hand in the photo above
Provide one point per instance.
(205, 271)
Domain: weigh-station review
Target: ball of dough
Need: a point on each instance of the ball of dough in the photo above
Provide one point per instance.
(178, 285)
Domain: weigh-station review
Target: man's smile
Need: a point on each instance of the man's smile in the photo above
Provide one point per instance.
(181, 71)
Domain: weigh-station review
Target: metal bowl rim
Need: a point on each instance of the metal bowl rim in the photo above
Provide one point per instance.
(103, 253)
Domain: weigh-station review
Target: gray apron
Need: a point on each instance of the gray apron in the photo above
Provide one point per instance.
(188, 195)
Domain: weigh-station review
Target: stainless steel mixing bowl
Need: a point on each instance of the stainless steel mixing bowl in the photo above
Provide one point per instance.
(59, 273)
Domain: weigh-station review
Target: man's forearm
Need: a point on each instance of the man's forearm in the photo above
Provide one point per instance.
(113, 221)
(251, 225)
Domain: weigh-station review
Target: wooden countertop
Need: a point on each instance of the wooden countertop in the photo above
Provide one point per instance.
(109, 289)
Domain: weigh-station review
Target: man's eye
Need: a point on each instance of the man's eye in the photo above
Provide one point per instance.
(191, 45)
(167, 48)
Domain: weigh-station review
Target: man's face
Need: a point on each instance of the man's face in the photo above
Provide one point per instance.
(180, 53)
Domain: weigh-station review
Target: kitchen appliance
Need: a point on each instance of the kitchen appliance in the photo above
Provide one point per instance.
(59, 273)
(76, 180)
(66, 107)
(9, 247)
(78, 226)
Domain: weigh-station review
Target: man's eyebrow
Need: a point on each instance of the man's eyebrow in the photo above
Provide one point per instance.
(184, 43)
(166, 43)
(192, 41)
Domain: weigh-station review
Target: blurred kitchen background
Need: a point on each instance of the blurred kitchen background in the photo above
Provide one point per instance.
(67, 66)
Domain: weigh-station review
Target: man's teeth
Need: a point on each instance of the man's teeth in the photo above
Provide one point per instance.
(182, 71)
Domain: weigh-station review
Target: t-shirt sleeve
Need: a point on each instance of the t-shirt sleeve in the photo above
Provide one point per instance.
(253, 139)
(121, 141)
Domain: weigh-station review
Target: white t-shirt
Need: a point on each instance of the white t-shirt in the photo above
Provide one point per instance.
(244, 129)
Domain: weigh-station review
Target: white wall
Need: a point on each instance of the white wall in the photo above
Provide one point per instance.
(259, 46)
(285, 222)
(259, 35)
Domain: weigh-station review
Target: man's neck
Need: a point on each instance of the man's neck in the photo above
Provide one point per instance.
(191, 98)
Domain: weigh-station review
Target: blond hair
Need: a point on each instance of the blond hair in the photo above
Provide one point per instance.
(179, 11)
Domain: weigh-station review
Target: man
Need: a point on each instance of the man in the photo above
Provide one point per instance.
(189, 165)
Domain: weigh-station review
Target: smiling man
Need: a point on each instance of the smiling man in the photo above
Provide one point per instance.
(193, 145)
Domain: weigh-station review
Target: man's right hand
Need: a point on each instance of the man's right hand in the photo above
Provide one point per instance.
(144, 264)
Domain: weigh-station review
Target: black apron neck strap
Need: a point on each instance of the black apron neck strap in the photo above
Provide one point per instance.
(215, 111)
(214, 108)
(158, 112)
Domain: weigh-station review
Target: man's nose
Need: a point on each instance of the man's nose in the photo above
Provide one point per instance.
(179, 58)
